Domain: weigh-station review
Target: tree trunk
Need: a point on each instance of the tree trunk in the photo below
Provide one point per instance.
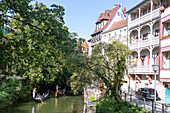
(116, 91)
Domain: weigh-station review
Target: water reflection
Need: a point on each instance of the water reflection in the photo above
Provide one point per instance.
(33, 109)
(70, 104)
(39, 106)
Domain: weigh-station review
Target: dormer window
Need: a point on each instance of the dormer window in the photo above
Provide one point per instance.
(108, 14)
(118, 14)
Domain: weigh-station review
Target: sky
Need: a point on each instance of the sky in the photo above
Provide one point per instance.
(81, 15)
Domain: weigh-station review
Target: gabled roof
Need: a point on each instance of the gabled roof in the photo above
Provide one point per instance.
(118, 24)
(107, 15)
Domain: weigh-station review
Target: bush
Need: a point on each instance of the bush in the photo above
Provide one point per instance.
(12, 90)
(112, 106)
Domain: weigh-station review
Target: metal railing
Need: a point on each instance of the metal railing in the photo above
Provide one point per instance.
(146, 104)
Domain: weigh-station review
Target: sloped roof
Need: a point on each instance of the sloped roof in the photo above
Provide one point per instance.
(106, 15)
(118, 24)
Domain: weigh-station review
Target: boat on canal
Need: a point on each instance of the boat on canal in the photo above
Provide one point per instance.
(41, 98)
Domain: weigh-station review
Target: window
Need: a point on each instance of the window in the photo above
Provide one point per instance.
(137, 15)
(156, 32)
(109, 35)
(118, 14)
(168, 31)
(87, 49)
(149, 9)
(120, 32)
(145, 12)
(145, 36)
(142, 60)
(83, 48)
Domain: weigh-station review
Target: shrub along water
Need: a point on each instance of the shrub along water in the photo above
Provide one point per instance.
(110, 105)
(13, 90)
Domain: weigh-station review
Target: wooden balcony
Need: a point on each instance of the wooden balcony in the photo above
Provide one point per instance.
(147, 69)
(144, 43)
(145, 18)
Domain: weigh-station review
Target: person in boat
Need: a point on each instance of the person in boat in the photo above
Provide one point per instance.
(63, 91)
(43, 95)
(56, 93)
(34, 91)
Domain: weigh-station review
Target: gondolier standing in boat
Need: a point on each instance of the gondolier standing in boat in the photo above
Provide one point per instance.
(56, 91)
(34, 90)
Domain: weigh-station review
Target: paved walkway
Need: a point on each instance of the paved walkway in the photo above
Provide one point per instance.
(160, 106)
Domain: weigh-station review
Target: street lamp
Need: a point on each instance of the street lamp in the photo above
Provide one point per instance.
(155, 68)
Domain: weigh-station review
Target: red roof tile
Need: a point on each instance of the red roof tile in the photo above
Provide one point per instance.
(118, 24)
(85, 45)
(106, 15)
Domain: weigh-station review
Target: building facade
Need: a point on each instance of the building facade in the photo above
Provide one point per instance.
(118, 31)
(165, 44)
(143, 41)
(103, 24)
(84, 46)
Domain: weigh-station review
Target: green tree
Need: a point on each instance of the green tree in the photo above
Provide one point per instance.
(39, 44)
(107, 65)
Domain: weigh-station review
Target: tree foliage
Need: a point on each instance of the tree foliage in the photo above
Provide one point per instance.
(38, 44)
(106, 65)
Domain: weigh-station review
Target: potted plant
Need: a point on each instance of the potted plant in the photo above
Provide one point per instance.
(162, 8)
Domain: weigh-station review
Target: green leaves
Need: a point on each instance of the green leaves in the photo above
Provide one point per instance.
(38, 44)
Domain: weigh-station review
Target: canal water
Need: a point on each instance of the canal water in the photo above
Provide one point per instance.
(70, 104)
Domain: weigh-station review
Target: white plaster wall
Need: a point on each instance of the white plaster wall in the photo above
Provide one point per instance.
(90, 49)
(124, 87)
(105, 21)
(165, 74)
(123, 35)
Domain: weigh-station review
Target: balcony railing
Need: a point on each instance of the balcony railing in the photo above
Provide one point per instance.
(145, 18)
(145, 43)
(155, 13)
(141, 70)
(134, 22)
